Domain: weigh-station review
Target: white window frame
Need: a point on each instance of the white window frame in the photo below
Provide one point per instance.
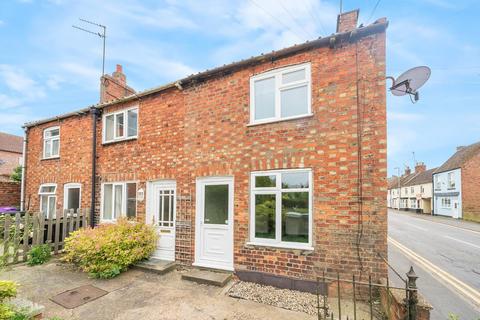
(123, 212)
(49, 195)
(277, 191)
(51, 139)
(438, 183)
(125, 126)
(277, 73)
(451, 180)
(72, 185)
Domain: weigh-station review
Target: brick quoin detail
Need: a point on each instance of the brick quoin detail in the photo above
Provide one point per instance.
(201, 130)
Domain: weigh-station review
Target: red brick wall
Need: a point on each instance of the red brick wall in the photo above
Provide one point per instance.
(9, 194)
(74, 164)
(8, 162)
(471, 189)
(202, 131)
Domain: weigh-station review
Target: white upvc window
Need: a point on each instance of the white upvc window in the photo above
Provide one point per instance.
(281, 208)
(48, 199)
(119, 199)
(281, 94)
(451, 180)
(72, 196)
(446, 203)
(120, 125)
(438, 184)
(51, 142)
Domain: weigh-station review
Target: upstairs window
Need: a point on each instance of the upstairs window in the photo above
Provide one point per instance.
(451, 180)
(120, 125)
(48, 199)
(280, 94)
(51, 143)
(438, 184)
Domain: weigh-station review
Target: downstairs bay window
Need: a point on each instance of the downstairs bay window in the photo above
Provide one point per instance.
(119, 200)
(281, 208)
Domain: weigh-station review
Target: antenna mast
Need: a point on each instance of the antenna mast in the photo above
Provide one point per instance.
(102, 35)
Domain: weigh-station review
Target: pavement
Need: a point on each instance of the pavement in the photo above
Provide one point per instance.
(445, 254)
(138, 295)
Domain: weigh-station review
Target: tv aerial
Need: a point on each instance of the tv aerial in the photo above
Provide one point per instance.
(409, 82)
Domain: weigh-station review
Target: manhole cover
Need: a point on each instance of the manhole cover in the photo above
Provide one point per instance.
(76, 297)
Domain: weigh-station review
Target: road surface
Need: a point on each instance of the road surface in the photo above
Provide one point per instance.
(446, 258)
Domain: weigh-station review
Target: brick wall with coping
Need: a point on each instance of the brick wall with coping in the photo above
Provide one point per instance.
(202, 131)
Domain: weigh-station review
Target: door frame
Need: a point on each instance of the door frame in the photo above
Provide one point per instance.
(150, 205)
(199, 205)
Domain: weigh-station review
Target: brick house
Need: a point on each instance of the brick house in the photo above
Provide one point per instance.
(274, 165)
(11, 149)
(456, 185)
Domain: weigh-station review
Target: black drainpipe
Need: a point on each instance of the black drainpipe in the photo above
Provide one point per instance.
(95, 113)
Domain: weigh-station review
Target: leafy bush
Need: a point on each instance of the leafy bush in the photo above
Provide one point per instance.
(39, 254)
(8, 289)
(109, 249)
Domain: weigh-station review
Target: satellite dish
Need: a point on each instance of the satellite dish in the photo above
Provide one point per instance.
(410, 81)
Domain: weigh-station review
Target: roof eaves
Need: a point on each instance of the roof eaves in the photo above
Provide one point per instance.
(378, 26)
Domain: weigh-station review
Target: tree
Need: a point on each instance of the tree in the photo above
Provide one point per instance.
(17, 174)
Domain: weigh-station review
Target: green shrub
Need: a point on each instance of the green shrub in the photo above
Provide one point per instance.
(8, 289)
(39, 254)
(109, 249)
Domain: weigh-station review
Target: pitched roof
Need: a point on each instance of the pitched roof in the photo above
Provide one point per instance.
(11, 143)
(460, 157)
(378, 26)
(421, 178)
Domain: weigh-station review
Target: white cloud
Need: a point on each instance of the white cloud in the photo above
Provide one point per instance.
(17, 80)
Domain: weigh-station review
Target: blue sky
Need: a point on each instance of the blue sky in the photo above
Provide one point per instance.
(48, 68)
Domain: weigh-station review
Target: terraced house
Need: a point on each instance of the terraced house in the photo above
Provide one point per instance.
(274, 166)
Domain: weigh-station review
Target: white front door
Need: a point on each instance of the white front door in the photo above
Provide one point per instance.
(161, 210)
(214, 223)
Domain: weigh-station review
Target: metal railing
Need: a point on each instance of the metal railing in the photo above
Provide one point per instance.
(353, 299)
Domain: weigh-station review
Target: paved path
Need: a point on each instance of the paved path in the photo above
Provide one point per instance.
(445, 254)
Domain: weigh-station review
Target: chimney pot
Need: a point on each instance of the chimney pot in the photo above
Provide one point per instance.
(347, 21)
(119, 68)
(420, 167)
(114, 86)
(407, 171)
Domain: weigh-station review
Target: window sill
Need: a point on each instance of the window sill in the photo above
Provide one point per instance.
(51, 158)
(119, 140)
(282, 246)
(258, 123)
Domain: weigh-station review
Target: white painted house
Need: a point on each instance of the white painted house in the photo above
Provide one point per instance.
(448, 193)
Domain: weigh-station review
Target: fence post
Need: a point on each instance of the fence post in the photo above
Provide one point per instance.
(412, 294)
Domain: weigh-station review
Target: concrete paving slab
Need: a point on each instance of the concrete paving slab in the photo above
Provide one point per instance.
(138, 295)
(213, 278)
(154, 265)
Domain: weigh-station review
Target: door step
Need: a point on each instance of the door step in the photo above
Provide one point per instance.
(213, 278)
(154, 265)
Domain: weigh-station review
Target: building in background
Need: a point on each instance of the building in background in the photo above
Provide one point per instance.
(412, 191)
(457, 185)
(11, 148)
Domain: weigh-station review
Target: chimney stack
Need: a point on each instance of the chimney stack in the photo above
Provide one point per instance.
(114, 86)
(347, 21)
(420, 167)
(407, 171)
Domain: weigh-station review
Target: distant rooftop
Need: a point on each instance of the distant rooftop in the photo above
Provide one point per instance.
(11, 143)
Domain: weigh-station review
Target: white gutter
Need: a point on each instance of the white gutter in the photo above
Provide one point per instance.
(24, 155)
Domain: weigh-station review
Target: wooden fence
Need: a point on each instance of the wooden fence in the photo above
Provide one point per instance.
(20, 231)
